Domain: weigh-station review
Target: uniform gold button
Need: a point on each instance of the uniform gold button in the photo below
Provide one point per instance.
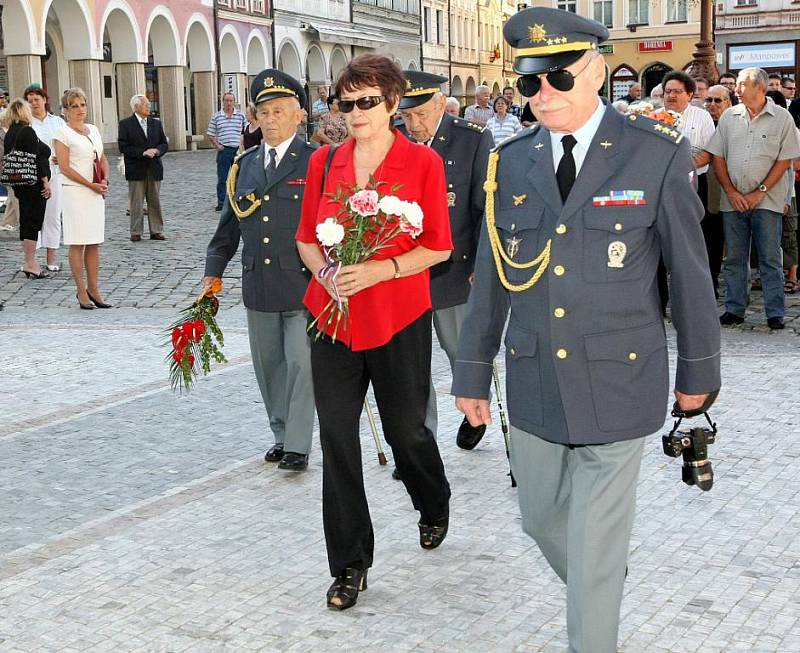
(266, 198)
(561, 353)
(303, 269)
(464, 257)
(267, 261)
(513, 226)
(265, 218)
(618, 226)
(632, 356)
(559, 270)
(561, 229)
(266, 240)
(513, 352)
(449, 185)
(559, 312)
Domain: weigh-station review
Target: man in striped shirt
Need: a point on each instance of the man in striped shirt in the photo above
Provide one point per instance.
(224, 131)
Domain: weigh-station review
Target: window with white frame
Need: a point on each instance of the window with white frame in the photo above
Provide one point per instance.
(241, 4)
(604, 12)
(439, 26)
(426, 24)
(746, 3)
(568, 5)
(258, 6)
(676, 11)
(638, 12)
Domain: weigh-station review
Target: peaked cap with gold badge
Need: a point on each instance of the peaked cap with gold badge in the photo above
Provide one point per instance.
(547, 39)
(271, 83)
(420, 87)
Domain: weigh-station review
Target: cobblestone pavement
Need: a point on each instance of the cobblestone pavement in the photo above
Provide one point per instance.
(134, 519)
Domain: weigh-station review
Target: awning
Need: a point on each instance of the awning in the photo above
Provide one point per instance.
(347, 36)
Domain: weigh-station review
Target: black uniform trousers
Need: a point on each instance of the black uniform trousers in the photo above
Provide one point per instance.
(400, 373)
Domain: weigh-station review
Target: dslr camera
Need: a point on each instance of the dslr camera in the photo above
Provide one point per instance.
(693, 445)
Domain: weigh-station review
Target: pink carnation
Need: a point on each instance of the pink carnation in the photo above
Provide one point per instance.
(365, 202)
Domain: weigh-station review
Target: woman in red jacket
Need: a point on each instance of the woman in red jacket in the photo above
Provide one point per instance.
(386, 339)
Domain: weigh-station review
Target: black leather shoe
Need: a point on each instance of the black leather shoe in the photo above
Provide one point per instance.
(158, 236)
(293, 462)
(775, 323)
(729, 319)
(432, 535)
(396, 475)
(468, 435)
(274, 454)
(135, 238)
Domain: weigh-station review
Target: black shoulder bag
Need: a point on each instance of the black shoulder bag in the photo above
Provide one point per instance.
(19, 167)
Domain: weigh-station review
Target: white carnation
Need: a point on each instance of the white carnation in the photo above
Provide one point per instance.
(330, 232)
(413, 213)
(391, 205)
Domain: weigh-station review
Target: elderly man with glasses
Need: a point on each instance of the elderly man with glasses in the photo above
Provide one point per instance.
(578, 212)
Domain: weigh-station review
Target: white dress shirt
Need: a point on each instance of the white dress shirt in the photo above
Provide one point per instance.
(280, 150)
(698, 126)
(583, 136)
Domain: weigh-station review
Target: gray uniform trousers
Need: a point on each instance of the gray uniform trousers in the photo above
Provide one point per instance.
(578, 504)
(281, 353)
(447, 322)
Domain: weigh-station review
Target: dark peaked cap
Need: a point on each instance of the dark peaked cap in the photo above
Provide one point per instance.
(420, 87)
(547, 39)
(272, 83)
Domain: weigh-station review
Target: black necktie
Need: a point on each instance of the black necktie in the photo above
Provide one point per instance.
(565, 174)
(272, 166)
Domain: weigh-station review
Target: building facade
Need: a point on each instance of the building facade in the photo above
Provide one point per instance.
(464, 47)
(763, 33)
(436, 37)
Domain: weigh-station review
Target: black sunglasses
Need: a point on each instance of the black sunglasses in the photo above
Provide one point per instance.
(715, 100)
(364, 103)
(561, 80)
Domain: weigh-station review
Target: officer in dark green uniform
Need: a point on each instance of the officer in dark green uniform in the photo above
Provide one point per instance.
(578, 212)
(264, 195)
(464, 148)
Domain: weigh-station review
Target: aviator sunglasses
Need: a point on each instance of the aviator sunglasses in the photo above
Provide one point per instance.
(715, 100)
(364, 103)
(561, 80)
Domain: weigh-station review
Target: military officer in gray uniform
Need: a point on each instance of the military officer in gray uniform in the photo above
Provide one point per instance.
(578, 212)
(264, 195)
(464, 148)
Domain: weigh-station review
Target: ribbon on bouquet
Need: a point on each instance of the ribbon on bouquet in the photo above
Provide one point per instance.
(331, 269)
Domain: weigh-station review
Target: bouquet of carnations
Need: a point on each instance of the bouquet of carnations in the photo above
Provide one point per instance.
(366, 223)
(195, 339)
(667, 117)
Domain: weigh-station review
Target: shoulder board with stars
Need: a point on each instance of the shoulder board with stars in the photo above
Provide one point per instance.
(522, 134)
(654, 127)
(246, 152)
(466, 124)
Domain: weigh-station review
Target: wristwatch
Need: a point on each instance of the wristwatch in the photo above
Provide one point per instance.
(762, 188)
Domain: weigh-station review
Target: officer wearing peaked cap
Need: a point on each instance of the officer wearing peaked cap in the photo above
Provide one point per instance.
(464, 148)
(577, 213)
(264, 194)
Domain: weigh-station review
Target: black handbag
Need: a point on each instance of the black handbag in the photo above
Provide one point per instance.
(19, 167)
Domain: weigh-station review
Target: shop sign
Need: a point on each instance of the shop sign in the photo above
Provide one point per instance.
(763, 55)
(655, 46)
(606, 48)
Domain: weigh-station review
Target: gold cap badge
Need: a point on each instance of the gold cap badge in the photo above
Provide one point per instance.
(537, 34)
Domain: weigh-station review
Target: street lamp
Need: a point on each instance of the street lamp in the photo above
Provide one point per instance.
(704, 58)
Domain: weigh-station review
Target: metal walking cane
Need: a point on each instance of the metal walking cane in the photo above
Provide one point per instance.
(373, 426)
(503, 422)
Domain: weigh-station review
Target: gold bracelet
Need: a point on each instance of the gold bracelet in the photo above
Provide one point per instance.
(396, 267)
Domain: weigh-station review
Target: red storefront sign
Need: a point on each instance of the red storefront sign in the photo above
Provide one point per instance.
(655, 46)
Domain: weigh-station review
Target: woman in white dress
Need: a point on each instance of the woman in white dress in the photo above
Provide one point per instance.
(78, 145)
(46, 125)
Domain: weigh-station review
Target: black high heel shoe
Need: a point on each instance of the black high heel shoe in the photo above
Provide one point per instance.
(432, 535)
(86, 307)
(97, 303)
(33, 275)
(346, 588)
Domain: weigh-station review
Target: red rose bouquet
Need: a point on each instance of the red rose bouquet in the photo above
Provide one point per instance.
(195, 339)
(366, 223)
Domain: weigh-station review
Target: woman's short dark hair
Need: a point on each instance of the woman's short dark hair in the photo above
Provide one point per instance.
(331, 99)
(679, 76)
(35, 89)
(499, 98)
(373, 70)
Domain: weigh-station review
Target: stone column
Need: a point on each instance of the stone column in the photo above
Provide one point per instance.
(85, 73)
(205, 101)
(23, 70)
(172, 106)
(130, 82)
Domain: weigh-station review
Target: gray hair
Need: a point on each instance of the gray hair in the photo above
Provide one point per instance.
(482, 87)
(621, 106)
(454, 101)
(758, 76)
(136, 99)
